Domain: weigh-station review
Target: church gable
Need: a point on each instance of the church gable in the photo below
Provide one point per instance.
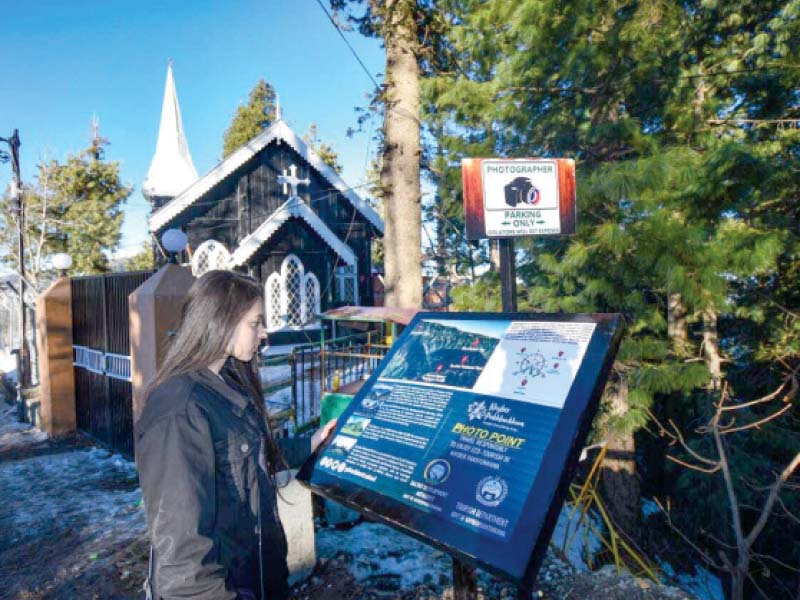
(261, 161)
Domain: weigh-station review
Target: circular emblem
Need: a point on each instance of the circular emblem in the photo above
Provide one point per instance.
(491, 490)
(533, 196)
(437, 471)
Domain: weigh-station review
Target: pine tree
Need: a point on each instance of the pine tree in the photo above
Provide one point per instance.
(74, 207)
(325, 151)
(251, 118)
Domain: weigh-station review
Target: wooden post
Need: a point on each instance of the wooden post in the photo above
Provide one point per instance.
(508, 275)
(155, 308)
(465, 581)
(56, 373)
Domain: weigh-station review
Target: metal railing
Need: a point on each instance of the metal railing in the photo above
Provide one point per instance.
(313, 367)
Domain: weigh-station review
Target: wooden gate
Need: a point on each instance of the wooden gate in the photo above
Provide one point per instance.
(103, 393)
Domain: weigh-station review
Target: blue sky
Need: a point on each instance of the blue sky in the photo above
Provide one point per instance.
(65, 61)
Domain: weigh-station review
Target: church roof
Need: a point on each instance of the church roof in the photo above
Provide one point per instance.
(172, 169)
(279, 130)
(293, 207)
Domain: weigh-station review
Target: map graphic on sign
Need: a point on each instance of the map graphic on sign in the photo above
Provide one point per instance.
(535, 362)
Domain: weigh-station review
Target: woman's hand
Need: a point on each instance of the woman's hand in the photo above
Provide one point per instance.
(321, 434)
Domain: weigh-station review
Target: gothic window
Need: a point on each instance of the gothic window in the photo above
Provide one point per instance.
(311, 302)
(292, 296)
(210, 256)
(272, 294)
(292, 273)
(347, 284)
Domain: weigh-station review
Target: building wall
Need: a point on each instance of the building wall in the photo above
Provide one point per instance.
(237, 206)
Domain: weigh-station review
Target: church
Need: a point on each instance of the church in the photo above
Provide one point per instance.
(272, 209)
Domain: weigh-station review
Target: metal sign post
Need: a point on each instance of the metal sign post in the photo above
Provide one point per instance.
(508, 275)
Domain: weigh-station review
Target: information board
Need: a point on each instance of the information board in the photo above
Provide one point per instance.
(469, 432)
(505, 198)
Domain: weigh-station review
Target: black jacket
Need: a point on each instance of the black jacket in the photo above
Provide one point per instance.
(201, 456)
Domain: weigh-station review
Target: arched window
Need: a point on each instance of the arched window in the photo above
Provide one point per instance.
(292, 273)
(292, 296)
(272, 297)
(210, 256)
(311, 304)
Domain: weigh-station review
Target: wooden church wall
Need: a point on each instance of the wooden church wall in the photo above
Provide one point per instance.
(235, 207)
(296, 238)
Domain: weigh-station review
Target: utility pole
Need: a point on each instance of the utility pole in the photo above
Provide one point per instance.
(19, 209)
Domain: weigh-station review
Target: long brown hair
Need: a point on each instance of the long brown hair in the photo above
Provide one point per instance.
(215, 305)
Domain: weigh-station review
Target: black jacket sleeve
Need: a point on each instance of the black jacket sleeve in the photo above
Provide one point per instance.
(175, 457)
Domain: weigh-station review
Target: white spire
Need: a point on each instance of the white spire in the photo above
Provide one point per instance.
(277, 107)
(171, 170)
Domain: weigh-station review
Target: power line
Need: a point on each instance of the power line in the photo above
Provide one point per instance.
(352, 50)
(399, 111)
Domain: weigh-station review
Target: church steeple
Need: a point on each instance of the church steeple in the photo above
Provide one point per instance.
(171, 170)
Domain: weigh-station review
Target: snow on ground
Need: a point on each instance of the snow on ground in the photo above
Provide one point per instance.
(569, 537)
(67, 509)
(381, 552)
(274, 375)
(702, 584)
(12, 432)
(91, 491)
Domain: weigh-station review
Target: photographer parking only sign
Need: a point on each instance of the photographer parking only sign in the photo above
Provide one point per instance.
(505, 198)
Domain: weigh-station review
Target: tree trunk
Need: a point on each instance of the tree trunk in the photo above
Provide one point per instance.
(711, 348)
(677, 328)
(620, 481)
(494, 256)
(400, 173)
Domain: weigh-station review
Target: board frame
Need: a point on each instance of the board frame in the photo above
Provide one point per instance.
(519, 558)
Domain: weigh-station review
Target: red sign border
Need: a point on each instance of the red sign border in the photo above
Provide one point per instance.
(472, 179)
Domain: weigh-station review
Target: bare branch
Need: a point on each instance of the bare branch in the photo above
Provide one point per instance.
(677, 436)
(693, 467)
(755, 424)
(786, 510)
(709, 561)
(763, 399)
(773, 494)
(777, 561)
(726, 474)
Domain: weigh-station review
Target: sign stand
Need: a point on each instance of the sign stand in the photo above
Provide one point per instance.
(508, 275)
(464, 577)
(465, 581)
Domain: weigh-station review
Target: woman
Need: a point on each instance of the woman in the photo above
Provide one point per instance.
(206, 456)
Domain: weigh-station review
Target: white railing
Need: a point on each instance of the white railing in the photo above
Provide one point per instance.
(117, 366)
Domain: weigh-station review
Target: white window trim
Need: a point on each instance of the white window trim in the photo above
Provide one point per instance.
(212, 249)
(277, 316)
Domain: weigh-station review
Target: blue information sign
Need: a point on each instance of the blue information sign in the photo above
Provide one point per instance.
(468, 433)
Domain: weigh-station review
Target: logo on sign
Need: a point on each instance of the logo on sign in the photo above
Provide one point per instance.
(491, 491)
(477, 410)
(437, 471)
(495, 413)
(521, 190)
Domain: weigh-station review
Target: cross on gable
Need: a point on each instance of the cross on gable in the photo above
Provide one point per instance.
(292, 181)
